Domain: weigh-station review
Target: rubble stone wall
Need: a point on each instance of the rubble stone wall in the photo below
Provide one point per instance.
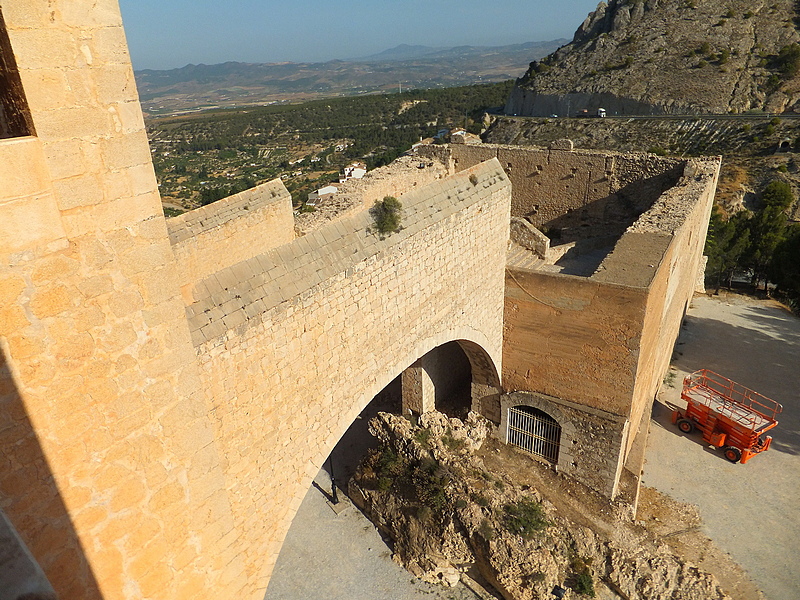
(591, 440)
(550, 184)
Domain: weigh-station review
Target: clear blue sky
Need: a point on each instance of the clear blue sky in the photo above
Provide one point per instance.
(164, 34)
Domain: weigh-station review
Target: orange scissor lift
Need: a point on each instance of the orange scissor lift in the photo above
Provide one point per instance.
(730, 415)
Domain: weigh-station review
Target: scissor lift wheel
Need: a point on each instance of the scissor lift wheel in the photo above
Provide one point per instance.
(732, 454)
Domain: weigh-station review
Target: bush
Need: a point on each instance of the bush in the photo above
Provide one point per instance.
(386, 215)
(452, 443)
(777, 194)
(524, 517)
(788, 60)
(584, 585)
(172, 212)
(423, 438)
(480, 500)
(486, 530)
(429, 482)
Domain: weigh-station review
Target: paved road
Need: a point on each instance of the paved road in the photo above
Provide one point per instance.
(751, 511)
(665, 117)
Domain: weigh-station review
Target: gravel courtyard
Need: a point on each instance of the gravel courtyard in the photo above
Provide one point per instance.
(751, 511)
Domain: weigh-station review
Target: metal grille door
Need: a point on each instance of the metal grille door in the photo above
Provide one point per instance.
(535, 431)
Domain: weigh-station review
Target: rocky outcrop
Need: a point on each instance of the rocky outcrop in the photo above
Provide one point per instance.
(430, 489)
(670, 56)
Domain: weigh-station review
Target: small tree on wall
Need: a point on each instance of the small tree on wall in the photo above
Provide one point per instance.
(386, 215)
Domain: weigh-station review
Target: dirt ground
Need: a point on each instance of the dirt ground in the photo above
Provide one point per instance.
(751, 510)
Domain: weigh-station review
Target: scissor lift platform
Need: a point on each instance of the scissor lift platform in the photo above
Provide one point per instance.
(729, 415)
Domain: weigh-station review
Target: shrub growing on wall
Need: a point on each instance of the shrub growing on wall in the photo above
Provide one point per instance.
(386, 214)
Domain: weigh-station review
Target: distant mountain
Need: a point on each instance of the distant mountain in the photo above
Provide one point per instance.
(671, 56)
(401, 52)
(405, 52)
(234, 83)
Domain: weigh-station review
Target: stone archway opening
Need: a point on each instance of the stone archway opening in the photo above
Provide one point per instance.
(357, 441)
(440, 380)
(334, 545)
(454, 378)
(534, 430)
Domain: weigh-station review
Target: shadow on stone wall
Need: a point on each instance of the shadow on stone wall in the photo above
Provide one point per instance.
(612, 215)
(32, 502)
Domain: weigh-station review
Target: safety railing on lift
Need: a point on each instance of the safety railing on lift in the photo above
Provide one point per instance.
(730, 397)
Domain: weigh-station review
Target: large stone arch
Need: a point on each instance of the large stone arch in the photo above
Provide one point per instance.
(480, 351)
(485, 373)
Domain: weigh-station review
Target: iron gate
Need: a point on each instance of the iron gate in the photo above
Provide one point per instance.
(535, 431)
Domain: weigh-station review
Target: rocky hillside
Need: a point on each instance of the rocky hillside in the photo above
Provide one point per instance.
(459, 505)
(671, 56)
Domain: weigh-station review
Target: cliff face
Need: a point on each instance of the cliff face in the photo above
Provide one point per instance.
(671, 56)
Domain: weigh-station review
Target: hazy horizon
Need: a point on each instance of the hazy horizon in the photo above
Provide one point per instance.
(166, 35)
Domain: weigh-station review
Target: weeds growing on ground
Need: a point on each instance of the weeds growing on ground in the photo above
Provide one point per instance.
(524, 517)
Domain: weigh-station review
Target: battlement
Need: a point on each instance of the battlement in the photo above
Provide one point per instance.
(229, 231)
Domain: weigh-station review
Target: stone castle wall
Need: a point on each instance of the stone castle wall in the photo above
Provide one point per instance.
(572, 338)
(605, 341)
(126, 471)
(226, 232)
(302, 347)
(162, 417)
(683, 212)
(102, 423)
(578, 188)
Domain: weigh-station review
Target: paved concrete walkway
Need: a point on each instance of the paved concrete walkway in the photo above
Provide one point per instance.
(342, 557)
(751, 511)
(338, 555)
